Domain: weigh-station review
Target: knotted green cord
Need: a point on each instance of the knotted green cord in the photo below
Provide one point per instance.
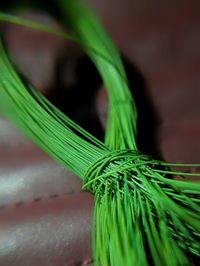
(140, 215)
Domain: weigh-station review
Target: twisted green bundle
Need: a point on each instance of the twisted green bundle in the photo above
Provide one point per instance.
(141, 216)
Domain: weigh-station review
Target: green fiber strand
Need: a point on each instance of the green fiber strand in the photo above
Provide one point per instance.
(122, 107)
(13, 19)
(44, 123)
(35, 26)
(142, 216)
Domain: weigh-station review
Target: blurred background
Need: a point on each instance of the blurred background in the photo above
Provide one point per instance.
(45, 219)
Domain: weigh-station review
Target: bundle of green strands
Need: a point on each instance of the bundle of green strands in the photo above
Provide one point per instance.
(141, 215)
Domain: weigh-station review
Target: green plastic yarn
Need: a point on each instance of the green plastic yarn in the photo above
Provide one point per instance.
(141, 216)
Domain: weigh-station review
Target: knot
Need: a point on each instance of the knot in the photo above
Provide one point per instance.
(117, 170)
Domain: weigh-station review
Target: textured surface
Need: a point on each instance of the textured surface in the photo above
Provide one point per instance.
(44, 220)
(47, 232)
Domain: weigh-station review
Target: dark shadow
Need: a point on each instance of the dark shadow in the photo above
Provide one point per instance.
(147, 118)
(78, 101)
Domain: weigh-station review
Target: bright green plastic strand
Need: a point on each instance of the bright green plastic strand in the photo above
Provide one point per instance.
(121, 127)
(44, 124)
(141, 216)
(60, 33)
(35, 25)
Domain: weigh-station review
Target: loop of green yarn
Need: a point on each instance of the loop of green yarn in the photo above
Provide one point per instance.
(141, 217)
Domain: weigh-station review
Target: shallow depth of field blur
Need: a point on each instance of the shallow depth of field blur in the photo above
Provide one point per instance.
(45, 219)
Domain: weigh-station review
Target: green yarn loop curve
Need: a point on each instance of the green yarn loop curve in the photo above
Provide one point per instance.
(141, 216)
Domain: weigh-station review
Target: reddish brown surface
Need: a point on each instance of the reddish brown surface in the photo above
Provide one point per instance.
(44, 219)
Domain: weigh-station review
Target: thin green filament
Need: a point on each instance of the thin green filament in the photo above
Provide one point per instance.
(142, 216)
